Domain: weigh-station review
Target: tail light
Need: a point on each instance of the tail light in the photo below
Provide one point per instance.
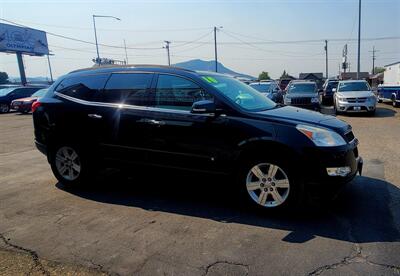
(35, 105)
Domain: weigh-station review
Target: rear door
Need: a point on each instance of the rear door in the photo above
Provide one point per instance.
(125, 98)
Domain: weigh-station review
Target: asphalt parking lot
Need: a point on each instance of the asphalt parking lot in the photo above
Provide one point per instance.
(152, 222)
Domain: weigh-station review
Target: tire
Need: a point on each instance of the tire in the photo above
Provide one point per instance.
(394, 103)
(268, 183)
(70, 165)
(4, 108)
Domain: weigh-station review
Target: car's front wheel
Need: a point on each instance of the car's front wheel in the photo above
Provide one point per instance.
(4, 108)
(268, 184)
(69, 165)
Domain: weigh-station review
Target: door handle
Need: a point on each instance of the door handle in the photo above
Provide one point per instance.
(95, 116)
(154, 122)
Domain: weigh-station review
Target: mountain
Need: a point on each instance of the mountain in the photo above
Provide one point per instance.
(30, 79)
(203, 65)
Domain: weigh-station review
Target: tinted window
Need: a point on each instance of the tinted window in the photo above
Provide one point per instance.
(82, 87)
(174, 92)
(128, 88)
(331, 85)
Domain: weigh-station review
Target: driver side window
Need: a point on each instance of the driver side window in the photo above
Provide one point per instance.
(173, 92)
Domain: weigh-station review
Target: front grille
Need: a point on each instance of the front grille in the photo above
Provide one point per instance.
(301, 101)
(349, 136)
(356, 100)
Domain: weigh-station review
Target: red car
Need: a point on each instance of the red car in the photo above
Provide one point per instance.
(24, 105)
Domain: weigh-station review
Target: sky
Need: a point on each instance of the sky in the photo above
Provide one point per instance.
(269, 35)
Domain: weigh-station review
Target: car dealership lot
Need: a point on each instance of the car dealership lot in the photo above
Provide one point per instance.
(151, 221)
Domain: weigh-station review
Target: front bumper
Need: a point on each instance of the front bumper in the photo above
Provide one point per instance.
(317, 160)
(311, 106)
(355, 107)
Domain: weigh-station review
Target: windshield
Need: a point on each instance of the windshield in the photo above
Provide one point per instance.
(5, 91)
(40, 93)
(262, 87)
(302, 88)
(240, 93)
(353, 86)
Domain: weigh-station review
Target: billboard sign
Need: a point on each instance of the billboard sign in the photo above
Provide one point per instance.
(24, 40)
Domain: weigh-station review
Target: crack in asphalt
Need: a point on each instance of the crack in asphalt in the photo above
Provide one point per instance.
(356, 256)
(32, 253)
(207, 268)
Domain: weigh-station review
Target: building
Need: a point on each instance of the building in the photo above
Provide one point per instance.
(317, 77)
(353, 75)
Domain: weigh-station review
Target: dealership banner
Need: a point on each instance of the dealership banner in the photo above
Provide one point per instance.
(25, 40)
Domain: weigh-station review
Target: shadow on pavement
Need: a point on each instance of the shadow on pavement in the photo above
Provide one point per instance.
(381, 112)
(360, 214)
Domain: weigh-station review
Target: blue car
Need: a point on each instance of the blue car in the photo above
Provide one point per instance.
(7, 95)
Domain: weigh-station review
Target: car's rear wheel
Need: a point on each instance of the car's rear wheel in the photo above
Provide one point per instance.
(70, 166)
(4, 108)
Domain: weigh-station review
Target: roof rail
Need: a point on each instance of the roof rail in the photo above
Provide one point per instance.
(129, 66)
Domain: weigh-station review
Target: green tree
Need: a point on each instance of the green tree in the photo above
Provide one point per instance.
(264, 76)
(378, 70)
(3, 77)
(284, 74)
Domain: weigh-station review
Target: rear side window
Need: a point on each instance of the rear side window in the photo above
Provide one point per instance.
(174, 92)
(127, 88)
(82, 87)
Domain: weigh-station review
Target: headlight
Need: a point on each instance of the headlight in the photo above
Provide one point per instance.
(322, 137)
(341, 99)
(372, 98)
(315, 100)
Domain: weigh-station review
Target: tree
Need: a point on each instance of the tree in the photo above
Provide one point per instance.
(284, 74)
(264, 76)
(378, 70)
(3, 77)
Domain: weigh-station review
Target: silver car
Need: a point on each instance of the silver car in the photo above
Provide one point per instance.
(354, 96)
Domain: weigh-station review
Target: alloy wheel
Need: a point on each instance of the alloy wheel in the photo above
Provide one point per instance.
(68, 163)
(4, 108)
(268, 185)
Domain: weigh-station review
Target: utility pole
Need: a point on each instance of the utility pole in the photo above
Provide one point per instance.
(51, 73)
(373, 58)
(215, 48)
(167, 47)
(326, 58)
(95, 32)
(126, 54)
(359, 39)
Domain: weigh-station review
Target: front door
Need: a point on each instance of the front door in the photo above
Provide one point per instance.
(182, 139)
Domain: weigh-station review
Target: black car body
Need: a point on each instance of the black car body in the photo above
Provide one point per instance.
(302, 94)
(7, 95)
(328, 89)
(270, 89)
(199, 121)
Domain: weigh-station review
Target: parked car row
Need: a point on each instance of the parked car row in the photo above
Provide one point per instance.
(345, 96)
(19, 98)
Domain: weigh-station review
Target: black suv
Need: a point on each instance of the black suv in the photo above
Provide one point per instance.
(200, 121)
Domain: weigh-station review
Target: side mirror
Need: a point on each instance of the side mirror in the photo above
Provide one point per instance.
(333, 90)
(320, 90)
(203, 107)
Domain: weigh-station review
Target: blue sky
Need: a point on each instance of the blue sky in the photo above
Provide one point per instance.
(146, 24)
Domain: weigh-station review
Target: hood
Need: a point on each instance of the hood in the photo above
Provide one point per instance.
(355, 94)
(304, 116)
(301, 95)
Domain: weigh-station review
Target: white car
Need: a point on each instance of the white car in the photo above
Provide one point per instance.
(354, 96)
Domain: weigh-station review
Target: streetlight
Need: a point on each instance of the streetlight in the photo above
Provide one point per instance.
(95, 33)
(215, 47)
